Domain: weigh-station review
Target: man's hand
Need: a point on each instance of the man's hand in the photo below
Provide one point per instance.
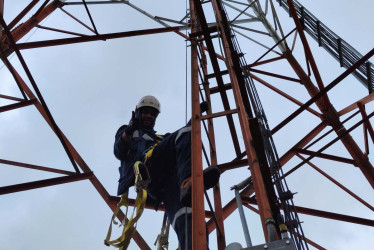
(134, 124)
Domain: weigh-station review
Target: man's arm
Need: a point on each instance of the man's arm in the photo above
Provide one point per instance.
(123, 137)
(121, 143)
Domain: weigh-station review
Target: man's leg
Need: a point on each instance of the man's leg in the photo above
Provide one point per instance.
(172, 156)
(180, 217)
(165, 182)
(169, 166)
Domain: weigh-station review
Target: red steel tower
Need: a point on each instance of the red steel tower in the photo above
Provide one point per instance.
(235, 83)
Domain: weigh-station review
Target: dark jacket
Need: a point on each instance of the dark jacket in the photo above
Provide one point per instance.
(129, 153)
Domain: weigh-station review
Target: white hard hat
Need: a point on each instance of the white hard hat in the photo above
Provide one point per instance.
(149, 101)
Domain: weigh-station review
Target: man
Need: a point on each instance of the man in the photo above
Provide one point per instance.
(167, 160)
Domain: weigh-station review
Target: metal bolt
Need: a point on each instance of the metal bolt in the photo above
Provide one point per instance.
(288, 242)
(266, 246)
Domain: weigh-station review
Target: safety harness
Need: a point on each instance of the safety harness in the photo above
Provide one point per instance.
(142, 180)
(129, 225)
(149, 152)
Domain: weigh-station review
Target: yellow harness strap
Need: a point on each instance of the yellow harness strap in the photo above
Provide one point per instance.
(128, 224)
(150, 151)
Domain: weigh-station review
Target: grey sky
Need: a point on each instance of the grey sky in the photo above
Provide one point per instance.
(92, 88)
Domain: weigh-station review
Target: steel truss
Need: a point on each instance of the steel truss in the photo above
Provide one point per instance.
(215, 53)
(335, 45)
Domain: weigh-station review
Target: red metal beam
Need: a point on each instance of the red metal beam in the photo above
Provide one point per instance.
(2, 13)
(263, 82)
(366, 139)
(275, 75)
(25, 165)
(367, 123)
(37, 91)
(60, 31)
(221, 240)
(6, 62)
(232, 165)
(353, 106)
(220, 73)
(42, 6)
(89, 15)
(44, 183)
(11, 98)
(22, 14)
(275, 45)
(325, 156)
(294, 42)
(266, 61)
(302, 143)
(330, 131)
(335, 216)
(324, 91)
(338, 184)
(217, 70)
(82, 164)
(17, 105)
(244, 114)
(64, 41)
(216, 89)
(198, 220)
(25, 28)
(329, 112)
(307, 50)
(324, 214)
(332, 142)
(178, 32)
(79, 21)
(219, 114)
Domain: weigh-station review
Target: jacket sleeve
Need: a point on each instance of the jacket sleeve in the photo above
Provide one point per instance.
(120, 147)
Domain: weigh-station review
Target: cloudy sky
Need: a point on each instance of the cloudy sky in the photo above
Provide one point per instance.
(92, 88)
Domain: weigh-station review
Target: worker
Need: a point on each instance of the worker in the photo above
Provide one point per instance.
(169, 165)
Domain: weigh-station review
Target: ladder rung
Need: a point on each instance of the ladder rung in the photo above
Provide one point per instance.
(224, 72)
(227, 112)
(214, 36)
(211, 29)
(217, 89)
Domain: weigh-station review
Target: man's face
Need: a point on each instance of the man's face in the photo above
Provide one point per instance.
(149, 116)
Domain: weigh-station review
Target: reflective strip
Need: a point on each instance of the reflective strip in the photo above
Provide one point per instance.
(181, 131)
(147, 137)
(135, 134)
(182, 211)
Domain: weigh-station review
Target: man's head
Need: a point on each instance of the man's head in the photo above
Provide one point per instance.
(147, 111)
